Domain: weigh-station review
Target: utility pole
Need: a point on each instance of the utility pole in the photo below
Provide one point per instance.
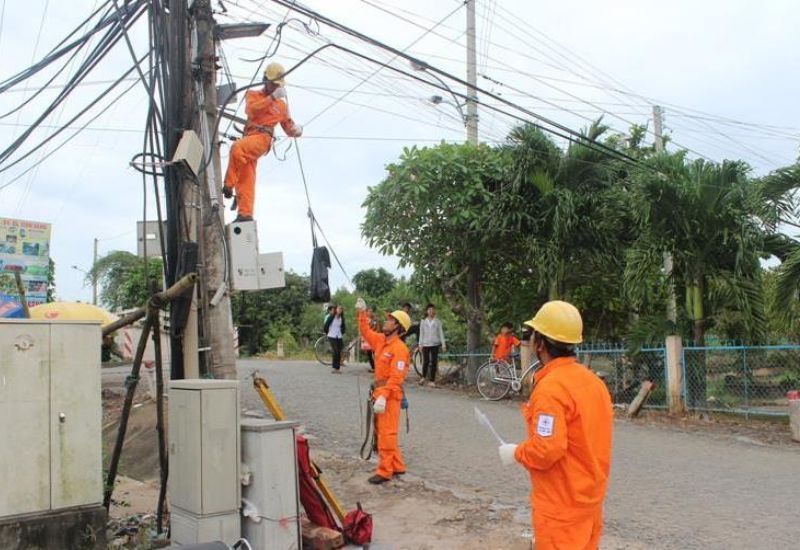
(94, 275)
(672, 307)
(472, 76)
(215, 303)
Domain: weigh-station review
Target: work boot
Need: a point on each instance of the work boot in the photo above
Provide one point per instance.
(377, 480)
(227, 192)
(398, 474)
(241, 218)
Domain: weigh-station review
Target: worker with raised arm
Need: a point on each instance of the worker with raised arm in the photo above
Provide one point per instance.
(391, 368)
(265, 109)
(568, 450)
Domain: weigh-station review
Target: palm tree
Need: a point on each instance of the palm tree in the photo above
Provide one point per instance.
(707, 216)
(574, 217)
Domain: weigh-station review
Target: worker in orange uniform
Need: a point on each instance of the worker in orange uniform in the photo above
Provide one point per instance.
(568, 450)
(504, 344)
(265, 108)
(391, 368)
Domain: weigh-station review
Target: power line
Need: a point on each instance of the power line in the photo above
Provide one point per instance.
(552, 126)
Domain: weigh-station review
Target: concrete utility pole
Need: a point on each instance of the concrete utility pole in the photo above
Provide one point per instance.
(672, 308)
(472, 76)
(94, 275)
(215, 302)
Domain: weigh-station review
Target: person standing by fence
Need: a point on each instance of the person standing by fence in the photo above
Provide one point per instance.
(335, 329)
(431, 339)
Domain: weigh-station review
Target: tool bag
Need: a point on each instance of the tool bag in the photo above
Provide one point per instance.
(358, 526)
(320, 264)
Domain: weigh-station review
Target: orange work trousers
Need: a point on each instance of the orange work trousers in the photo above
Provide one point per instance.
(241, 174)
(573, 534)
(390, 460)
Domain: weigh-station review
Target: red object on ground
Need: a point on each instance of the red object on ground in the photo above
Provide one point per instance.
(315, 506)
(792, 395)
(358, 526)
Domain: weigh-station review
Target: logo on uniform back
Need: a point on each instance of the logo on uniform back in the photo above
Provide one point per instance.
(401, 365)
(545, 424)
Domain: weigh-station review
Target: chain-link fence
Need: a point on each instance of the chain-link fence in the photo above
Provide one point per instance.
(624, 371)
(749, 380)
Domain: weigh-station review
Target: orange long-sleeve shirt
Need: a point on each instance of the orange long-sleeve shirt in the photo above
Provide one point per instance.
(568, 450)
(266, 110)
(503, 344)
(391, 360)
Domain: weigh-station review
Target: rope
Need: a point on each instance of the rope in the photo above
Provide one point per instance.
(313, 220)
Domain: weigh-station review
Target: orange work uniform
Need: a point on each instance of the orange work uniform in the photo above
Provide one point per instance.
(503, 344)
(264, 111)
(391, 367)
(568, 455)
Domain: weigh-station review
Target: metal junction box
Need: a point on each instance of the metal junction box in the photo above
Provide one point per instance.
(249, 269)
(50, 423)
(204, 444)
(271, 489)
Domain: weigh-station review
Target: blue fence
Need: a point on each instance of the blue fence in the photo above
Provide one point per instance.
(624, 372)
(748, 380)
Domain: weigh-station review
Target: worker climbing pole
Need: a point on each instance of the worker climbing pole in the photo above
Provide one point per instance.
(265, 109)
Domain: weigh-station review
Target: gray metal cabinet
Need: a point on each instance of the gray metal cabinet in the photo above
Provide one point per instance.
(51, 411)
(204, 482)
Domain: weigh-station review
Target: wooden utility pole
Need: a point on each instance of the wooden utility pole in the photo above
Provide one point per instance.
(214, 295)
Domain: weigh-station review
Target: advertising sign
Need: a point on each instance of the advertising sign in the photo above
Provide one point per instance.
(25, 248)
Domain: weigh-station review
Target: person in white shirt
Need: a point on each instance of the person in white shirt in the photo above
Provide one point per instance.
(335, 328)
(431, 339)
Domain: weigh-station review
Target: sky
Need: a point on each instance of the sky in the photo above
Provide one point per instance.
(726, 74)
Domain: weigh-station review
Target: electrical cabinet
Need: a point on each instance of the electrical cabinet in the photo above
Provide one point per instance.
(51, 410)
(204, 485)
(249, 269)
(272, 510)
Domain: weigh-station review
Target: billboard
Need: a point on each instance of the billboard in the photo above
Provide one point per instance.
(25, 247)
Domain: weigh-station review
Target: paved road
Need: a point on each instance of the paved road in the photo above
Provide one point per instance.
(669, 489)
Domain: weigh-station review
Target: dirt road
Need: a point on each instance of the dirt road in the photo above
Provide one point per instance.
(669, 489)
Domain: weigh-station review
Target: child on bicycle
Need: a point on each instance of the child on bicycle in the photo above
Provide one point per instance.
(504, 344)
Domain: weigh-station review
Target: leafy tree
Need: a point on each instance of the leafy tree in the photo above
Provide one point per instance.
(266, 315)
(122, 279)
(438, 211)
(374, 282)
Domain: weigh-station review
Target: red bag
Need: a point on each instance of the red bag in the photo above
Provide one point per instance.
(358, 526)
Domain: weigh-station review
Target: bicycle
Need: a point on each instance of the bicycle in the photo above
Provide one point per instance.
(495, 379)
(324, 353)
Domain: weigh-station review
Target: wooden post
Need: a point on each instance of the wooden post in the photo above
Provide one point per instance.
(641, 398)
(22, 296)
(674, 358)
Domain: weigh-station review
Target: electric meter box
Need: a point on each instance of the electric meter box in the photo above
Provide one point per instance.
(51, 430)
(249, 269)
(271, 490)
(204, 443)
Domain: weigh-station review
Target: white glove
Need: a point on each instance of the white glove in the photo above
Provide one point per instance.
(506, 452)
(361, 305)
(298, 131)
(379, 406)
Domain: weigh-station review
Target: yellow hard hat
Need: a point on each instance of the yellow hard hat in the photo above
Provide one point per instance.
(402, 318)
(559, 321)
(274, 73)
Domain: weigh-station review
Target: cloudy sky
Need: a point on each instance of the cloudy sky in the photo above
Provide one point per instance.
(726, 73)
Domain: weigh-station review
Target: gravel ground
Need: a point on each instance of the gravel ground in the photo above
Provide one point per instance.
(669, 489)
